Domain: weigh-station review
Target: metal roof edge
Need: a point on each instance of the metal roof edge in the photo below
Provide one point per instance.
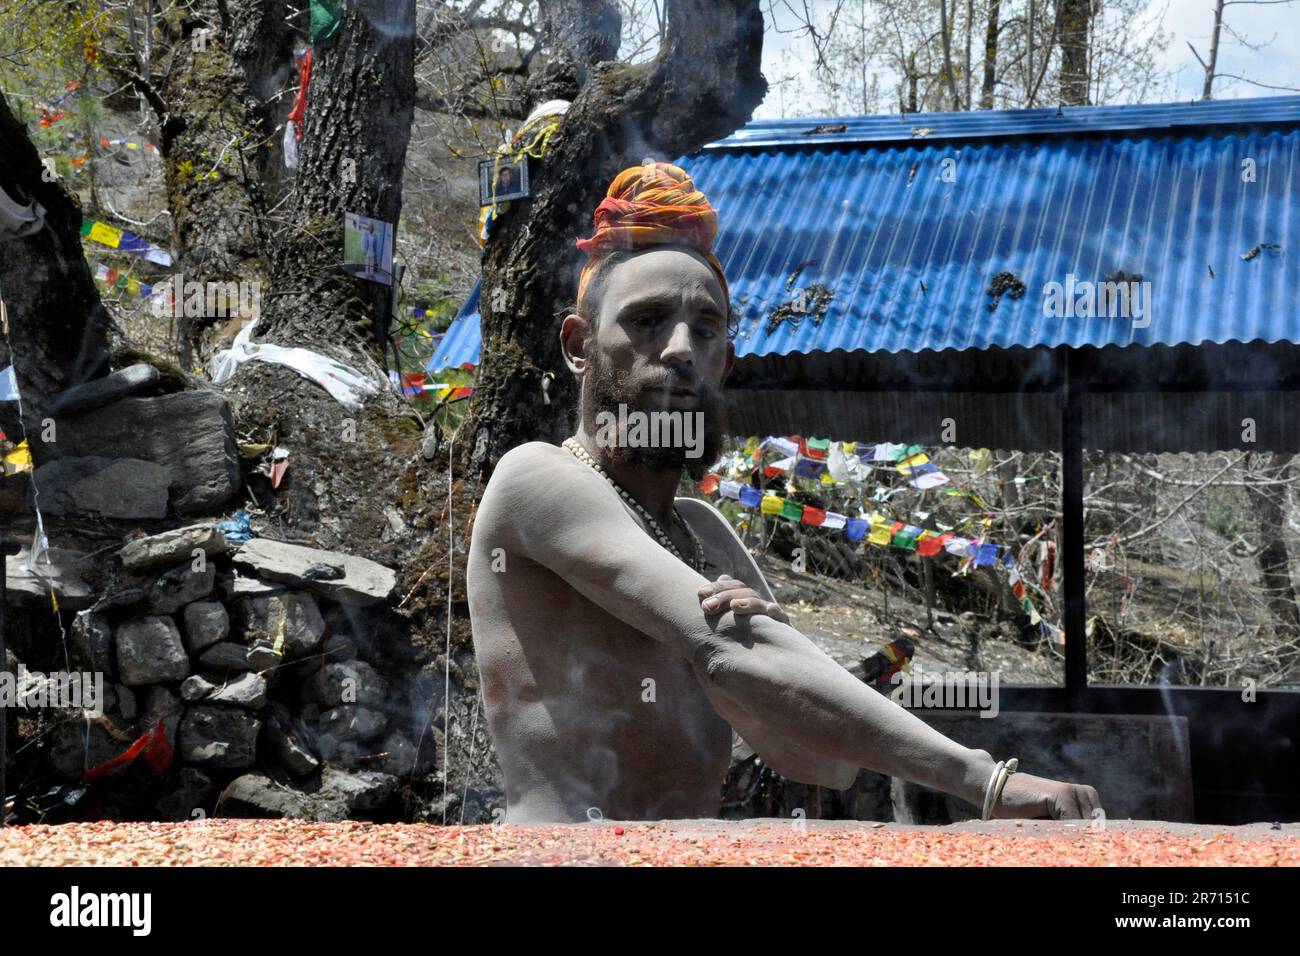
(985, 124)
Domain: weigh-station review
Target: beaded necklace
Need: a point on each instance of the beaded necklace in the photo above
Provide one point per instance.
(580, 453)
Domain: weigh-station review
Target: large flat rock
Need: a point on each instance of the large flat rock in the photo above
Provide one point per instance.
(62, 572)
(191, 434)
(149, 651)
(124, 488)
(360, 581)
(102, 391)
(172, 547)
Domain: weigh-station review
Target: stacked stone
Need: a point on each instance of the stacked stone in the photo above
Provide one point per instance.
(249, 657)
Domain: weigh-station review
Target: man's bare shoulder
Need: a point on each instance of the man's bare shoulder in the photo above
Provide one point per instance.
(528, 484)
(532, 452)
(524, 463)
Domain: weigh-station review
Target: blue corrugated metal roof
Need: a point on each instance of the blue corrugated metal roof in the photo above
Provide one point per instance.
(909, 254)
(462, 343)
(1145, 117)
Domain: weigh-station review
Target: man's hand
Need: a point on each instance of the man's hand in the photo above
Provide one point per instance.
(1030, 797)
(727, 593)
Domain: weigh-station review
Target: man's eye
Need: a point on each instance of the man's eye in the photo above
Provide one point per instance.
(706, 332)
(646, 318)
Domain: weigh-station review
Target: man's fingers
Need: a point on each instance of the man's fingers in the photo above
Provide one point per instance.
(724, 583)
(737, 599)
(1091, 801)
(729, 594)
(1074, 803)
(743, 601)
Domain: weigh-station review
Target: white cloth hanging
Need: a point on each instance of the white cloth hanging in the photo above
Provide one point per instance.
(344, 383)
(290, 146)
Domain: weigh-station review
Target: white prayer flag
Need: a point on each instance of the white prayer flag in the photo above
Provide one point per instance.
(931, 479)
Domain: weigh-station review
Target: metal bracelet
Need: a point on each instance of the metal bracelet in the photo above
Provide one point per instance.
(997, 782)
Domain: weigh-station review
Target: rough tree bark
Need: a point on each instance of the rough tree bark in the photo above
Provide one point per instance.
(211, 131)
(1274, 558)
(991, 33)
(704, 83)
(1207, 89)
(1074, 18)
(217, 111)
(351, 157)
(945, 38)
(57, 325)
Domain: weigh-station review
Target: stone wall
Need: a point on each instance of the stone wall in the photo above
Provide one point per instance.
(260, 671)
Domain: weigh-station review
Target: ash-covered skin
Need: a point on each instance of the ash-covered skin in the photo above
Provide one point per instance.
(610, 689)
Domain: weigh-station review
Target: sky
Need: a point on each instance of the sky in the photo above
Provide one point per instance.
(1185, 20)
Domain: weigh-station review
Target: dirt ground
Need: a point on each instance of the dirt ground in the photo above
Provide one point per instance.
(851, 623)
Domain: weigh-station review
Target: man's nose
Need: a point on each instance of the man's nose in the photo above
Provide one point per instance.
(680, 345)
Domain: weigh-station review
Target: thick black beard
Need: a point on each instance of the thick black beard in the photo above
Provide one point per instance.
(605, 388)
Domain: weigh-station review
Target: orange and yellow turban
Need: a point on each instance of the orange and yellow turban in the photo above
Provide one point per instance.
(651, 205)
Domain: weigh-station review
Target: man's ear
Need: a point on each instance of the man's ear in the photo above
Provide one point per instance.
(573, 343)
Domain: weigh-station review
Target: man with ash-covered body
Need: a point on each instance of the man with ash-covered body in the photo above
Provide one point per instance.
(615, 664)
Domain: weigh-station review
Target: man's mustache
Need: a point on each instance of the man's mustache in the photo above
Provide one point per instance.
(669, 379)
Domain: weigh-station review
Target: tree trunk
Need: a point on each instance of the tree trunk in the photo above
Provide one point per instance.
(360, 105)
(945, 37)
(966, 70)
(1274, 558)
(210, 141)
(913, 104)
(704, 83)
(1207, 91)
(1074, 17)
(990, 55)
(58, 329)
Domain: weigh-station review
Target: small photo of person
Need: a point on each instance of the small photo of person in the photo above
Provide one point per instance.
(501, 181)
(368, 248)
(505, 180)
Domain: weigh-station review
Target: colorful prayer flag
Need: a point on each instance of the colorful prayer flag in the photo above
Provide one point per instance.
(729, 489)
(931, 546)
(99, 232)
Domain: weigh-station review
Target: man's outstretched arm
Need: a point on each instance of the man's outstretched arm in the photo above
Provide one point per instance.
(565, 519)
